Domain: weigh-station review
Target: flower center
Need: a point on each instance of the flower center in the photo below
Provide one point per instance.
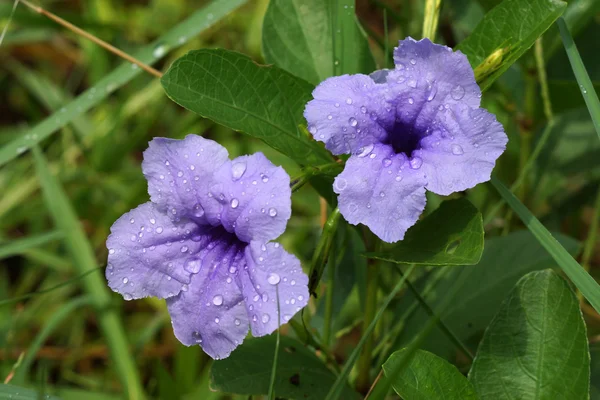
(404, 138)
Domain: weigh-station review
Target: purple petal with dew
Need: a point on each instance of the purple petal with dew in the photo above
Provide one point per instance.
(251, 197)
(147, 253)
(382, 190)
(348, 112)
(271, 271)
(178, 172)
(462, 151)
(211, 311)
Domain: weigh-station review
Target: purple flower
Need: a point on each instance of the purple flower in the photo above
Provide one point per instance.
(416, 127)
(202, 244)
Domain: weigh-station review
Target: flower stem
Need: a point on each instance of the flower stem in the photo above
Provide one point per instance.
(430, 20)
(364, 363)
(329, 297)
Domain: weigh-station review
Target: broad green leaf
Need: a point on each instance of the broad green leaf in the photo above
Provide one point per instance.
(505, 260)
(428, 377)
(505, 33)
(19, 393)
(536, 346)
(300, 374)
(297, 37)
(263, 101)
(451, 235)
(179, 35)
(351, 52)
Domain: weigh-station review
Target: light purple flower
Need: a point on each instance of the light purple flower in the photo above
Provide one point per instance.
(202, 244)
(416, 127)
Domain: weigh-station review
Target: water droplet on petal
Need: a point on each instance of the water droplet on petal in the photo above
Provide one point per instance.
(432, 92)
(416, 162)
(292, 282)
(184, 249)
(458, 92)
(111, 251)
(264, 178)
(238, 169)
(237, 322)
(159, 229)
(352, 121)
(125, 280)
(387, 162)
(348, 100)
(312, 129)
(340, 184)
(412, 83)
(217, 320)
(192, 266)
(410, 100)
(273, 278)
(364, 151)
(218, 300)
(234, 203)
(272, 212)
(197, 337)
(131, 221)
(457, 149)
(363, 109)
(265, 318)
(413, 61)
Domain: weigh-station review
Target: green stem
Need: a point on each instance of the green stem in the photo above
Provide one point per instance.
(364, 363)
(334, 392)
(329, 299)
(271, 395)
(309, 172)
(321, 253)
(541, 70)
(430, 20)
(453, 338)
(592, 236)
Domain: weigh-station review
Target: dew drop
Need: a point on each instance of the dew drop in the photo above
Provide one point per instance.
(234, 203)
(398, 178)
(348, 100)
(337, 105)
(159, 229)
(192, 266)
(264, 178)
(413, 61)
(412, 83)
(218, 300)
(458, 92)
(273, 278)
(312, 129)
(352, 121)
(131, 221)
(432, 93)
(217, 320)
(265, 318)
(387, 162)
(197, 337)
(340, 184)
(416, 162)
(184, 249)
(238, 169)
(125, 280)
(364, 151)
(111, 251)
(410, 100)
(272, 212)
(457, 149)
(237, 322)
(363, 109)
(159, 51)
(232, 270)
(292, 282)
(265, 297)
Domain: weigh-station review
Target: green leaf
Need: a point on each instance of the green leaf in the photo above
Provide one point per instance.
(428, 377)
(19, 246)
(300, 374)
(505, 260)
(585, 83)
(536, 346)
(451, 235)
(19, 393)
(179, 35)
(263, 101)
(351, 50)
(297, 37)
(580, 277)
(505, 33)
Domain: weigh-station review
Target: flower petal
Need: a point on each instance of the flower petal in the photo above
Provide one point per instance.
(211, 312)
(462, 150)
(444, 75)
(270, 272)
(251, 197)
(178, 171)
(147, 253)
(382, 190)
(348, 112)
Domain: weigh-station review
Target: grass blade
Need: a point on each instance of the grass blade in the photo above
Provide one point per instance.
(20, 245)
(82, 254)
(585, 83)
(180, 34)
(335, 390)
(584, 282)
(57, 318)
